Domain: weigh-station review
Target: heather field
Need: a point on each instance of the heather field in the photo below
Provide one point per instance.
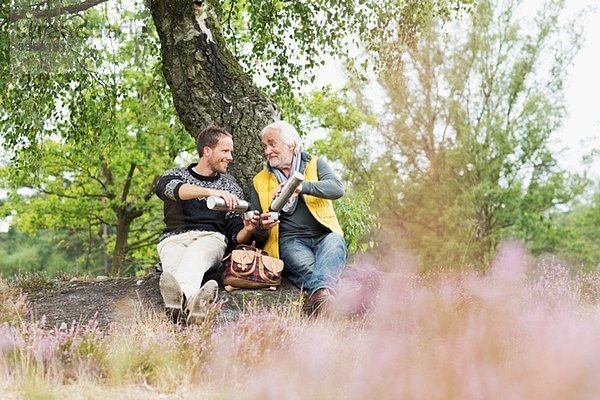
(523, 330)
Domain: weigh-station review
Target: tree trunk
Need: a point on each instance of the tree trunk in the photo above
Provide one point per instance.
(120, 251)
(208, 84)
(125, 217)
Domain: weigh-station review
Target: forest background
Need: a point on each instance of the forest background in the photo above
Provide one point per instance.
(445, 129)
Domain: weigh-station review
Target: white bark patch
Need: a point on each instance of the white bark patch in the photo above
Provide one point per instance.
(226, 100)
(201, 19)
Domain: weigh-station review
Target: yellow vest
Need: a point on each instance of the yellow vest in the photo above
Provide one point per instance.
(265, 185)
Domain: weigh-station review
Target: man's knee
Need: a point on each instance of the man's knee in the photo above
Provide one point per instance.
(335, 242)
(299, 262)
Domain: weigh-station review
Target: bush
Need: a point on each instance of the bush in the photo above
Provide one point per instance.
(357, 219)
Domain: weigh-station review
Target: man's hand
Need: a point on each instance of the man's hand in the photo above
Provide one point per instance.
(230, 199)
(296, 192)
(267, 222)
(251, 223)
(293, 196)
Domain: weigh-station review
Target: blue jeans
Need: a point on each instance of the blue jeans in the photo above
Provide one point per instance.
(314, 263)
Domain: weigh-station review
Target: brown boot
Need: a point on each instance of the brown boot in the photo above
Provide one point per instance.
(319, 303)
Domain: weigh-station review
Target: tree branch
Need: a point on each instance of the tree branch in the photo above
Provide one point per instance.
(128, 183)
(143, 242)
(54, 12)
(67, 196)
(148, 195)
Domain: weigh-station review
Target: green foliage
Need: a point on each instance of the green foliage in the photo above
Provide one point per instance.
(464, 136)
(4, 44)
(335, 113)
(576, 235)
(358, 220)
(283, 41)
(97, 143)
(49, 252)
(346, 125)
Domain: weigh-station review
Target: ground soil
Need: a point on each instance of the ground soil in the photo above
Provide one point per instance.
(118, 300)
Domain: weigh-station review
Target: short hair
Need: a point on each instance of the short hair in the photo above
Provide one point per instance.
(210, 136)
(289, 134)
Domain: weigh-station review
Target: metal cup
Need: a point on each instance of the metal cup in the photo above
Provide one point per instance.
(248, 215)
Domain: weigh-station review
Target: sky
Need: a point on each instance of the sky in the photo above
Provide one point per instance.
(581, 130)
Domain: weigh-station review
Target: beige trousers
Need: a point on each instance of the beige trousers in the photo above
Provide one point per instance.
(188, 256)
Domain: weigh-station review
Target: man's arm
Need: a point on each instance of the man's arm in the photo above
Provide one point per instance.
(173, 188)
(328, 186)
(247, 231)
(258, 234)
(241, 230)
(189, 192)
(167, 187)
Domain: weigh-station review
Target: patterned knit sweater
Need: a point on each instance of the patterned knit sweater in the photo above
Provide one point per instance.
(194, 215)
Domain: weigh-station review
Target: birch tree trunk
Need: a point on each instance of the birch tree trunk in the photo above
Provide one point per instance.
(208, 84)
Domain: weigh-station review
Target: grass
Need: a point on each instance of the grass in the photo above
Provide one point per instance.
(520, 331)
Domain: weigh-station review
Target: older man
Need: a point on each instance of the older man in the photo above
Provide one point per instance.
(195, 238)
(307, 235)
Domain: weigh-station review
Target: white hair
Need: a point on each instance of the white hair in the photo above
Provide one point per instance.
(289, 134)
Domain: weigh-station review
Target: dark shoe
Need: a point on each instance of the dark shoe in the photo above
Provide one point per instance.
(319, 303)
(177, 316)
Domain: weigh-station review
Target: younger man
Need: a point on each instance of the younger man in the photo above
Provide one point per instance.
(195, 238)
